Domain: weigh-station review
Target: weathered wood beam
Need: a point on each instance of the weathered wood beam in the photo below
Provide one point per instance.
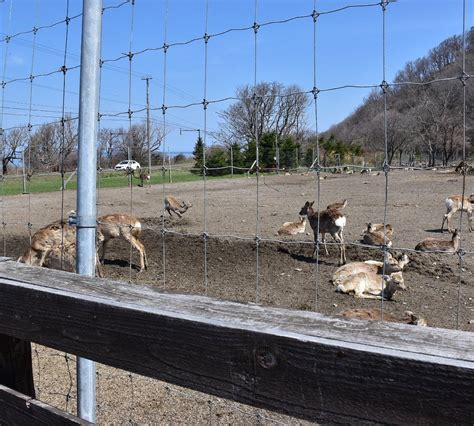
(299, 363)
(19, 409)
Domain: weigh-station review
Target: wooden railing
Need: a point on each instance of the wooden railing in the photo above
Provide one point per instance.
(314, 367)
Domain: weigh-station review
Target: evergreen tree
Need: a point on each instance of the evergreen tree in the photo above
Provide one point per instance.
(198, 157)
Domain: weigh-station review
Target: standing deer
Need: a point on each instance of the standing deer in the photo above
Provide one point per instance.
(123, 226)
(337, 206)
(55, 244)
(173, 205)
(456, 203)
(329, 221)
(433, 244)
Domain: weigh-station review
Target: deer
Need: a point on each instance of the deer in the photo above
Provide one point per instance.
(58, 241)
(372, 237)
(337, 206)
(393, 267)
(456, 203)
(445, 246)
(120, 225)
(375, 315)
(368, 285)
(293, 228)
(379, 227)
(328, 221)
(173, 205)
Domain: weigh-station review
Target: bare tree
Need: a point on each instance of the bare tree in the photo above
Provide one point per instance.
(269, 107)
(14, 142)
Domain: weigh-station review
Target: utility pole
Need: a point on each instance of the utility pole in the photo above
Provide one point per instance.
(147, 79)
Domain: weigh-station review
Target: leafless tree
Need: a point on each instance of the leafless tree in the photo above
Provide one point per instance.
(269, 107)
(14, 142)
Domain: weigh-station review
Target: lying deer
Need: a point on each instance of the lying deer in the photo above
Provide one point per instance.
(293, 228)
(393, 267)
(173, 205)
(368, 285)
(373, 237)
(433, 244)
(456, 203)
(378, 227)
(375, 315)
(329, 221)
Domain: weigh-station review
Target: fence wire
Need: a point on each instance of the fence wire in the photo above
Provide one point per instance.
(211, 409)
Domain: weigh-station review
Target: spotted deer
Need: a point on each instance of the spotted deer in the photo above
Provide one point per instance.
(337, 206)
(293, 228)
(55, 244)
(393, 267)
(367, 285)
(374, 237)
(445, 246)
(327, 221)
(172, 204)
(456, 203)
(374, 314)
(120, 225)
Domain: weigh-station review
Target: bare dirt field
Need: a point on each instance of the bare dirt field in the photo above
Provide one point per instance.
(287, 274)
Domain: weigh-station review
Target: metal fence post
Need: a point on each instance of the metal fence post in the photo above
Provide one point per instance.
(86, 181)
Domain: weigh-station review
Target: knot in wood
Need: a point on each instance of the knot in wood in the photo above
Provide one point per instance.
(265, 358)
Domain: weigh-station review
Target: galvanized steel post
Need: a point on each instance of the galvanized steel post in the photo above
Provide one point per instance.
(86, 180)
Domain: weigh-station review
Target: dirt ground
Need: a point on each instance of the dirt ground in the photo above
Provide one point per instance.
(287, 275)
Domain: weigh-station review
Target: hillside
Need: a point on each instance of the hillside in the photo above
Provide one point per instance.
(424, 109)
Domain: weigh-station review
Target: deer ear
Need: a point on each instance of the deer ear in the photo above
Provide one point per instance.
(311, 204)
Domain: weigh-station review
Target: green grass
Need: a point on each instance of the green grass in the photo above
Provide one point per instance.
(13, 184)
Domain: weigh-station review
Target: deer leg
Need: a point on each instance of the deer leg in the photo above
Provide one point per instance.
(469, 220)
(141, 249)
(103, 250)
(323, 239)
(448, 220)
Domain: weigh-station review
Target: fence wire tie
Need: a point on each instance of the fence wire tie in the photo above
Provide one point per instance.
(67, 20)
(464, 77)
(205, 103)
(29, 225)
(461, 253)
(29, 126)
(129, 55)
(164, 108)
(315, 91)
(205, 236)
(130, 113)
(315, 15)
(35, 30)
(32, 77)
(165, 47)
(384, 86)
(7, 39)
(386, 168)
(63, 69)
(206, 37)
(255, 27)
(257, 240)
(163, 231)
(3, 84)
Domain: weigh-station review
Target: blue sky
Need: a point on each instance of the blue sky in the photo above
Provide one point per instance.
(348, 51)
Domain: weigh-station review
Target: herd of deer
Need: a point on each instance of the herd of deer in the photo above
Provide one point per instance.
(54, 246)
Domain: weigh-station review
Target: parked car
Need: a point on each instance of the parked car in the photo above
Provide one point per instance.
(127, 164)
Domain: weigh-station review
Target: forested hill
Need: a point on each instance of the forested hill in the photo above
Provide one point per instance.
(424, 108)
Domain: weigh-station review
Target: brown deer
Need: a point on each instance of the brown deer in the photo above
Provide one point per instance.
(456, 203)
(55, 244)
(433, 244)
(328, 221)
(373, 237)
(393, 267)
(337, 206)
(378, 227)
(173, 205)
(293, 228)
(367, 285)
(375, 315)
(121, 225)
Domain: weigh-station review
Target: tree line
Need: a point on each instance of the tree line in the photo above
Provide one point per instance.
(424, 109)
(52, 147)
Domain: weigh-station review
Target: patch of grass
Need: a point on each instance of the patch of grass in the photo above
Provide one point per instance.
(13, 184)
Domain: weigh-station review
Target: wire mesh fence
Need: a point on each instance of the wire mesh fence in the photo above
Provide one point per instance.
(225, 245)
